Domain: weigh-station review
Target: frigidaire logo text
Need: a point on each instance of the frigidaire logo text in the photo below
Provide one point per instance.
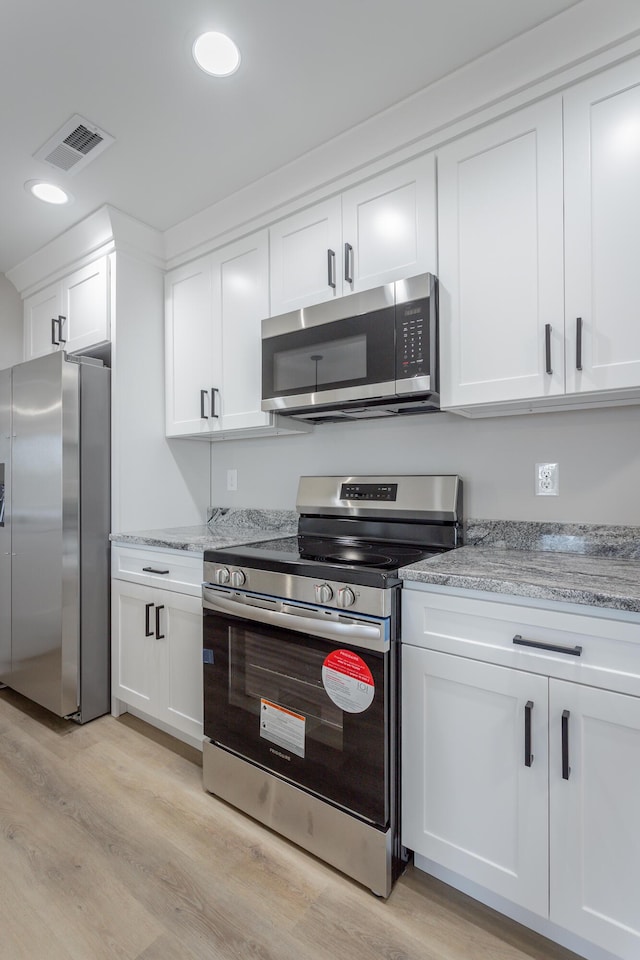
(278, 753)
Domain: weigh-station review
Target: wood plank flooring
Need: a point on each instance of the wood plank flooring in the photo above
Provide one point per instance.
(111, 850)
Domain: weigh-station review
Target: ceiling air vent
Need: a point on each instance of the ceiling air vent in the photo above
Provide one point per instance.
(75, 145)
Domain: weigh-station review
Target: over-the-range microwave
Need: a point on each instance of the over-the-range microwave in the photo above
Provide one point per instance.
(369, 354)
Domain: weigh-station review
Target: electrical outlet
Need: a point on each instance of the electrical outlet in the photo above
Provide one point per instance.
(232, 479)
(547, 480)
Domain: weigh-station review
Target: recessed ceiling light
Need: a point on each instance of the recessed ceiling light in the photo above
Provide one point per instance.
(48, 192)
(216, 54)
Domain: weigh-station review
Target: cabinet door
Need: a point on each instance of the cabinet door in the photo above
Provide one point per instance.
(500, 260)
(306, 261)
(135, 670)
(85, 305)
(594, 822)
(470, 802)
(180, 650)
(602, 210)
(40, 310)
(192, 352)
(241, 302)
(389, 226)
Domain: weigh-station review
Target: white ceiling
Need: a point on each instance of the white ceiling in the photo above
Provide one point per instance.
(310, 70)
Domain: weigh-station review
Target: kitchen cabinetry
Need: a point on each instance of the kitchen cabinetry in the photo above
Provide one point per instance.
(157, 638)
(602, 230)
(72, 314)
(521, 765)
(531, 309)
(500, 260)
(214, 309)
(381, 230)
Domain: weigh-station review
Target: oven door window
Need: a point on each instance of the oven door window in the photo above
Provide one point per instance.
(346, 353)
(268, 698)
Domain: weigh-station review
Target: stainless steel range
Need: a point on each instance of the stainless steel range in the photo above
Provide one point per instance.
(301, 673)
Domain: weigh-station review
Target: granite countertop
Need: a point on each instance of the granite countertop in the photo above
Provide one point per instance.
(595, 566)
(228, 528)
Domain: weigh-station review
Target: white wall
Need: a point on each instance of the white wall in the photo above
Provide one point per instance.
(157, 483)
(10, 324)
(598, 452)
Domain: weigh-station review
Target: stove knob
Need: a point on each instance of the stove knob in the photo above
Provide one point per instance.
(238, 578)
(324, 593)
(222, 575)
(346, 597)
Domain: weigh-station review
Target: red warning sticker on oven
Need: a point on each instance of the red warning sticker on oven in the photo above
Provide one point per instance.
(348, 681)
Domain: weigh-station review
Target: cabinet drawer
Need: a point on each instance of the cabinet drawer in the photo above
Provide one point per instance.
(170, 569)
(593, 650)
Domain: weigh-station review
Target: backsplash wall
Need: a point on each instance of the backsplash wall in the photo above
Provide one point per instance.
(598, 452)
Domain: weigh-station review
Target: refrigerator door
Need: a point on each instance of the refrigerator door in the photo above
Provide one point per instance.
(5, 524)
(45, 533)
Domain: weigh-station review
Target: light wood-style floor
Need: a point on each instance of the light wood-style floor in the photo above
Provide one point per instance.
(109, 848)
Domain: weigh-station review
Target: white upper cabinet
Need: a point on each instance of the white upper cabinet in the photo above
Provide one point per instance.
(306, 266)
(602, 208)
(213, 314)
(72, 314)
(500, 260)
(389, 226)
(41, 312)
(381, 230)
(190, 363)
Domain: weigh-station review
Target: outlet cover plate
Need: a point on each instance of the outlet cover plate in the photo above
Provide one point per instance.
(547, 479)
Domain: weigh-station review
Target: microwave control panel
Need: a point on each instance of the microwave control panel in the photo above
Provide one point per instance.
(412, 339)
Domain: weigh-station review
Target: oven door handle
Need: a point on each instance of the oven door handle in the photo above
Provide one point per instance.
(358, 633)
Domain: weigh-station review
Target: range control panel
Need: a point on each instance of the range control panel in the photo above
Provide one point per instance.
(369, 491)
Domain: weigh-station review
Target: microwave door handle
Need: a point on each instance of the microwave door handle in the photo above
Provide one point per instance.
(368, 636)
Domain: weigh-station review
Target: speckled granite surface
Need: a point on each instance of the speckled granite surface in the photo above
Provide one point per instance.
(597, 581)
(226, 529)
(588, 539)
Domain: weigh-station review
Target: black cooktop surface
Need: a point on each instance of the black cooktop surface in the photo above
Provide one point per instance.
(351, 561)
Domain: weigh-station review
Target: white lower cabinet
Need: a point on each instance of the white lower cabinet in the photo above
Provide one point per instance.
(522, 775)
(471, 802)
(157, 652)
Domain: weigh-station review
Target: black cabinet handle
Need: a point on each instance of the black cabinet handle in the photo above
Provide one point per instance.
(61, 320)
(147, 631)
(159, 636)
(578, 343)
(214, 392)
(566, 769)
(348, 263)
(553, 647)
(528, 756)
(203, 394)
(153, 570)
(331, 268)
(56, 343)
(547, 348)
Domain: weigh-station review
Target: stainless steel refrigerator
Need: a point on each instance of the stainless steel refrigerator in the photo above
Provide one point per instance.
(54, 533)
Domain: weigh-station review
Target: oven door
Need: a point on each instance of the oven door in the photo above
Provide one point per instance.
(312, 710)
(315, 359)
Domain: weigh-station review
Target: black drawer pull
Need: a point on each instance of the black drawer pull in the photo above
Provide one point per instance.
(159, 636)
(553, 647)
(566, 769)
(528, 756)
(147, 631)
(153, 570)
